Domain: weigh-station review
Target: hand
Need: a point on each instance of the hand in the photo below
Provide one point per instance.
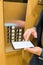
(34, 50)
(29, 32)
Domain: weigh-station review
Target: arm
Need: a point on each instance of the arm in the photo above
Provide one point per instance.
(20, 23)
(39, 28)
(34, 31)
(40, 22)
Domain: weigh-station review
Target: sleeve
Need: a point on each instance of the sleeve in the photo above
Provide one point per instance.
(41, 54)
(39, 28)
(40, 21)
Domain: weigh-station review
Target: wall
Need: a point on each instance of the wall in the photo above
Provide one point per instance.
(14, 58)
(14, 11)
(33, 12)
(2, 45)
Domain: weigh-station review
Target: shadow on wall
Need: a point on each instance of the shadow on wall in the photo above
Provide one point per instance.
(22, 1)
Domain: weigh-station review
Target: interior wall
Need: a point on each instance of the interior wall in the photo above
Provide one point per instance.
(2, 42)
(33, 13)
(14, 58)
(14, 11)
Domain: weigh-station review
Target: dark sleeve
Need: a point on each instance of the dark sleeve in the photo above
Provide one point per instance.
(41, 54)
(39, 28)
(40, 21)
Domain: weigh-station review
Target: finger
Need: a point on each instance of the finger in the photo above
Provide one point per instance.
(34, 34)
(26, 36)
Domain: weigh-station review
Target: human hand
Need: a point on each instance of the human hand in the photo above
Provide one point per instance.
(28, 32)
(34, 50)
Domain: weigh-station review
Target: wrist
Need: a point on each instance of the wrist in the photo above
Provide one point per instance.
(40, 52)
